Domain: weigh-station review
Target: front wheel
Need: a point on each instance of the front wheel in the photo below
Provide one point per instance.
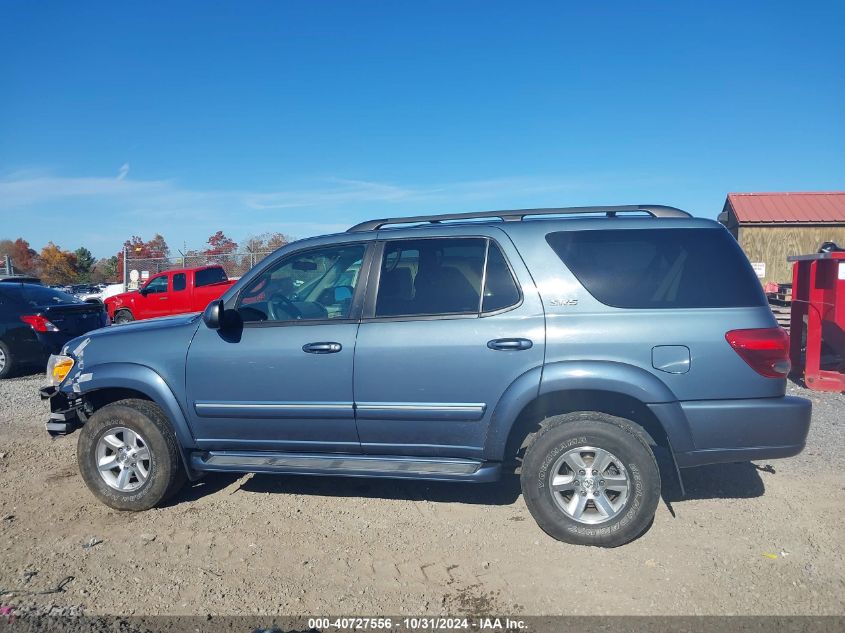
(123, 316)
(129, 457)
(590, 478)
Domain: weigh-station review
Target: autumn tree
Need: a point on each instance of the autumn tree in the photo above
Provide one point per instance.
(158, 247)
(137, 248)
(266, 242)
(24, 258)
(259, 246)
(57, 266)
(220, 244)
(220, 247)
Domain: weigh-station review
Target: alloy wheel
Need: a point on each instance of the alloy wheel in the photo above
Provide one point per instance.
(589, 484)
(123, 459)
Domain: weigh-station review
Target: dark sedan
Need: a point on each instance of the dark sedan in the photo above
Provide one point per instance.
(36, 321)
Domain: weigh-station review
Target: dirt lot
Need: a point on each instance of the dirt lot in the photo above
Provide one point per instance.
(749, 539)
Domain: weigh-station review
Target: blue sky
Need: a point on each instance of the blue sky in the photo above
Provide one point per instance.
(305, 117)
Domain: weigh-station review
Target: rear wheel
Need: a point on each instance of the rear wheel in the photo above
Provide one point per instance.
(7, 361)
(123, 316)
(590, 478)
(129, 457)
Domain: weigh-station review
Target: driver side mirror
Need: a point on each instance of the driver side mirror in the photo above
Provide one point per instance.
(143, 291)
(212, 316)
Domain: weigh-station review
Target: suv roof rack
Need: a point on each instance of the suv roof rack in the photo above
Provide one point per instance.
(515, 215)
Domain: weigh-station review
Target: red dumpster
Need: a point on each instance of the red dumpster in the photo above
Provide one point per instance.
(818, 297)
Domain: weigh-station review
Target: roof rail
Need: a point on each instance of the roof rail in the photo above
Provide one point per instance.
(514, 215)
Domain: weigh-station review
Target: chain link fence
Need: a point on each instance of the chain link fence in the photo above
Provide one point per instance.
(235, 264)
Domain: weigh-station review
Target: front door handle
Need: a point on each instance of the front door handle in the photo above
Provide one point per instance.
(510, 344)
(322, 348)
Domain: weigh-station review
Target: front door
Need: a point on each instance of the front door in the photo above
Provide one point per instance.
(452, 323)
(155, 300)
(280, 376)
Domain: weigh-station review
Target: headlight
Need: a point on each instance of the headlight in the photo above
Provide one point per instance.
(58, 367)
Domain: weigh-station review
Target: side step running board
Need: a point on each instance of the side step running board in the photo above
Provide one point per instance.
(348, 465)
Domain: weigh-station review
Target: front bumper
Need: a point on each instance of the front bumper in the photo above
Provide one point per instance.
(741, 430)
(66, 415)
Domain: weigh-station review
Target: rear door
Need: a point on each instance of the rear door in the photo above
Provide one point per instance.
(450, 323)
(209, 284)
(180, 294)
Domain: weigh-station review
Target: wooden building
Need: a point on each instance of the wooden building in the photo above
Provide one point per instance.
(772, 226)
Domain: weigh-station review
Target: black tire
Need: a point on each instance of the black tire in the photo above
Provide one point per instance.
(7, 360)
(123, 316)
(166, 474)
(624, 440)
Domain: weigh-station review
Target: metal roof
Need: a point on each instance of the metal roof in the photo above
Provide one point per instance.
(778, 208)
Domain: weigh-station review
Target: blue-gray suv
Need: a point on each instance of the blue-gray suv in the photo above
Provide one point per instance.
(573, 345)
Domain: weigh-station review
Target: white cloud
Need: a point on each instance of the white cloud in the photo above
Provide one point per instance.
(162, 197)
(103, 211)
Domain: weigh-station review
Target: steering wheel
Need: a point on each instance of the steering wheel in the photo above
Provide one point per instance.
(289, 308)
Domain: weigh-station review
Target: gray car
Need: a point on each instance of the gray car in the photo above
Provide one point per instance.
(572, 344)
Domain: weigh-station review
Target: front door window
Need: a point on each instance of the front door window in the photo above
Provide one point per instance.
(157, 285)
(313, 285)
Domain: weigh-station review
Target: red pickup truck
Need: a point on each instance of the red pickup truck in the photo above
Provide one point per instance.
(171, 292)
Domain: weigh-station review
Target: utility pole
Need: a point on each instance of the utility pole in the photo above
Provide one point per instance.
(125, 268)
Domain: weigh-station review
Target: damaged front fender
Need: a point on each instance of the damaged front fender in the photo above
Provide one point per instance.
(70, 402)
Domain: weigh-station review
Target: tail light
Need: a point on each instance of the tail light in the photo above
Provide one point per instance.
(39, 323)
(766, 350)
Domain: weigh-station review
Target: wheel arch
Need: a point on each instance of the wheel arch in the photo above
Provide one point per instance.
(606, 386)
(110, 382)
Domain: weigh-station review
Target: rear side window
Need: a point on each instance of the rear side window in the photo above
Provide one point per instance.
(660, 268)
(431, 277)
(444, 276)
(208, 276)
(500, 289)
(179, 282)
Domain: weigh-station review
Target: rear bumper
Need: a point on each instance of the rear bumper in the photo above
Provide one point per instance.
(740, 430)
(52, 342)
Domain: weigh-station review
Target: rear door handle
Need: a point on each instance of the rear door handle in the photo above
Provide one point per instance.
(510, 344)
(322, 348)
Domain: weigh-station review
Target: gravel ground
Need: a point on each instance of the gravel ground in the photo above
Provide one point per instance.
(750, 538)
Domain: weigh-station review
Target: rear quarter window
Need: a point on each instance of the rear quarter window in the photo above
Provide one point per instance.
(208, 276)
(660, 268)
